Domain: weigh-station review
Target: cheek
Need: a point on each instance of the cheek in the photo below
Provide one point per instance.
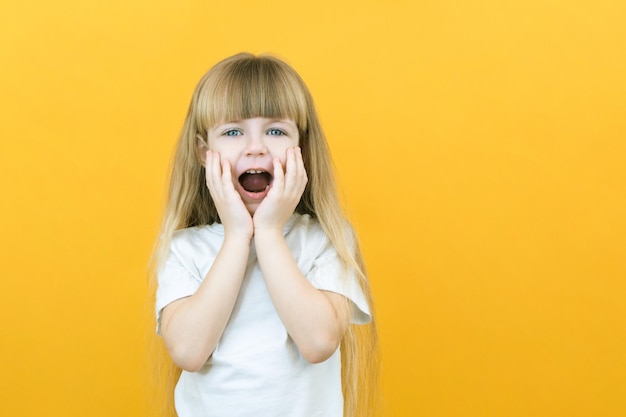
(280, 150)
(232, 161)
(226, 154)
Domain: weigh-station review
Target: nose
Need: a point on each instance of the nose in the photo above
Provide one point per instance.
(256, 145)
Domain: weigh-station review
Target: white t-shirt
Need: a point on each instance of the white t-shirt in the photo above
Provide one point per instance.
(256, 368)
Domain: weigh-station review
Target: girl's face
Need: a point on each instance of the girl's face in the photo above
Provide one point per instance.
(250, 145)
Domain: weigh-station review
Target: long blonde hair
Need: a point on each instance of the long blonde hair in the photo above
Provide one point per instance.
(245, 86)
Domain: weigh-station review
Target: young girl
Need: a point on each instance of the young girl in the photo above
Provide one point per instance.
(260, 278)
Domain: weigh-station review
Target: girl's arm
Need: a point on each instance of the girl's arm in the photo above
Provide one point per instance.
(192, 326)
(316, 320)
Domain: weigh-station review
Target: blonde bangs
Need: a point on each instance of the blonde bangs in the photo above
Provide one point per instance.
(238, 89)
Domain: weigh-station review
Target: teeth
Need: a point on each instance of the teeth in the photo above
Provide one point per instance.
(254, 171)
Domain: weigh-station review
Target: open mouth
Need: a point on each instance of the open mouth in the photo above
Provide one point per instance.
(255, 181)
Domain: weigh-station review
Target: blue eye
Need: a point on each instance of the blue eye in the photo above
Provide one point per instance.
(232, 132)
(276, 132)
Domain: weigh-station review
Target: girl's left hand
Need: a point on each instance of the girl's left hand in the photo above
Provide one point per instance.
(284, 196)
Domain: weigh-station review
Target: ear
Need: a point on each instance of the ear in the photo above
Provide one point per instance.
(201, 148)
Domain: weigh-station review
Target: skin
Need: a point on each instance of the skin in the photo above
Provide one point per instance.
(315, 319)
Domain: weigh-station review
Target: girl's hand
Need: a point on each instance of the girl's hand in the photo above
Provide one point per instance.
(233, 213)
(284, 196)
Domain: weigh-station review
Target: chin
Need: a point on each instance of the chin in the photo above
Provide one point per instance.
(252, 208)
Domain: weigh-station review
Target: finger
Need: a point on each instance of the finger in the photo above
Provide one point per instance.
(297, 178)
(227, 174)
(214, 172)
(291, 169)
(279, 175)
(300, 164)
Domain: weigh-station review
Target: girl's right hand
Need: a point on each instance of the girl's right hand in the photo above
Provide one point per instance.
(233, 213)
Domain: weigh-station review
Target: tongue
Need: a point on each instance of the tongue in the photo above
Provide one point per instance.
(255, 183)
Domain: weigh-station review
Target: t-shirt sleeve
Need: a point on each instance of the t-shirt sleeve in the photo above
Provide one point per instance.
(174, 282)
(328, 274)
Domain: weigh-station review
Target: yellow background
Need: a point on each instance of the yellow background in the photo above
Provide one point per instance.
(481, 149)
